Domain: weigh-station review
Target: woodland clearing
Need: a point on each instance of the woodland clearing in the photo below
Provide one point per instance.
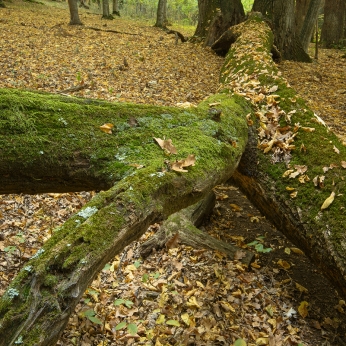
(183, 73)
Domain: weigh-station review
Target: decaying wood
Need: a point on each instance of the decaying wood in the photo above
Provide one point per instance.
(36, 307)
(181, 227)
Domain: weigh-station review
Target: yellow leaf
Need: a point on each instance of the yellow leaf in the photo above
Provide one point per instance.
(192, 303)
(186, 318)
(107, 128)
(297, 251)
(283, 264)
(262, 341)
(288, 250)
(235, 207)
(301, 288)
(160, 319)
(303, 309)
(328, 201)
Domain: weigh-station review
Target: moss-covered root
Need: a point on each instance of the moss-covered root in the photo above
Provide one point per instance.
(181, 227)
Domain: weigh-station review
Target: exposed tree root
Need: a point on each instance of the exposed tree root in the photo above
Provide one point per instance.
(182, 227)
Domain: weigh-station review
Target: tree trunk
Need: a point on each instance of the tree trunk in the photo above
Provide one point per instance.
(333, 24)
(263, 6)
(309, 23)
(207, 9)
(74, 16)
(116, 10)
(281, 15)
(161, 15)
(285, 38)
(105, 10)
(301, 10)
(62, 131)
(232, 13)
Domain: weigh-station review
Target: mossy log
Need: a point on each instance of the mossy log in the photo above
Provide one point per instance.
(51, 143)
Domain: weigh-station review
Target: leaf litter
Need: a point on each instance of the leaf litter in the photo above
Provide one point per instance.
(178, 295)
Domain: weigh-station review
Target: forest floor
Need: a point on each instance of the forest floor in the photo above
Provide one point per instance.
(180, 295)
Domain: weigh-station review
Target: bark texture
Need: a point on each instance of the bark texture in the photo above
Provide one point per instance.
(334, 22)
(309, 23)
(36, 306)
(74, 16)
(207, 10)
(232, 13)
(281, 15)
(161, 15)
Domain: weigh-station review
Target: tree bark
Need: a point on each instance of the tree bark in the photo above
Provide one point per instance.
(105, 10)
(281, 15)
(232, 13)
(74, 16)
(35, 308)
(309, 23)
(116, 10)
(334, 22)
(161, 15)
(301, 10)
(207, 9)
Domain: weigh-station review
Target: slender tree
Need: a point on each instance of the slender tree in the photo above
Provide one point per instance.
(116, 10)
(333, 24)
(161, 15)
(309, 23)
(74, 16)
(105, 10)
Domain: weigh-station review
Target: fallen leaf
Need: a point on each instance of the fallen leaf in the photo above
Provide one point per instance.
(179, 166)
(328, 201)
(336, 149)
(283, 264)
(166, 144)
(301, 288)
(303, 309)
(107, 128)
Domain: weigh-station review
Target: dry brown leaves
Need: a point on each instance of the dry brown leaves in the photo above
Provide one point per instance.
(40, 51)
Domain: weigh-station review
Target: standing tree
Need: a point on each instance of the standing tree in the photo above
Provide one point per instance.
(232, 13)
(301, 10)
(74, 16)
(105, 10)
(116, 10)
(161, 15)
(309, 23)
(281, 13)
(334, 21)
(207, 9)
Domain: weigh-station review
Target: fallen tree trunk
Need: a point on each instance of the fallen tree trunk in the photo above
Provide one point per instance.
(50, 134)
(149, 184)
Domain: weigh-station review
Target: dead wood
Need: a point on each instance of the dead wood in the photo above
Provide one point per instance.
(181, 227)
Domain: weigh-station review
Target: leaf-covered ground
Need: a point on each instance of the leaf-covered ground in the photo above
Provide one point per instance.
(180, 295)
